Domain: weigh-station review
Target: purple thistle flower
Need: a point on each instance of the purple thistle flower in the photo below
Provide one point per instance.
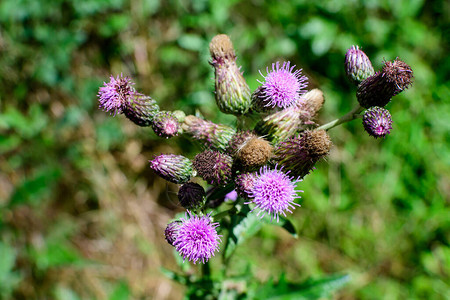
(274, 192)
(174, 168)
(115, 94)
(197, 238)
(281, 88)
(281, 125)
(377, 121)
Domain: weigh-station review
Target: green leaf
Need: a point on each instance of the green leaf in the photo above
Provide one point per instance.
(310, 289)
(243, 227)
(284, 223)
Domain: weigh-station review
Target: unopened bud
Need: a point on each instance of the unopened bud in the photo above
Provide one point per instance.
(141, 110)
(377, 90)
(214, 167)
(233, 95)
(171, 232)
(192, 196)
(165, 124)
(377, 121)
(357, 65)
(212, 135)
(174, 168)
(299, 154)
(244, 184)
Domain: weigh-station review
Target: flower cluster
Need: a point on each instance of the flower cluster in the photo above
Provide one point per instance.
(259, 166)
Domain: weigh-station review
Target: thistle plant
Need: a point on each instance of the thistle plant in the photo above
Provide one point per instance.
(248, 175)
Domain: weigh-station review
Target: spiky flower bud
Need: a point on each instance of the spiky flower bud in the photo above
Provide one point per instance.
(377, 90)
(281, 88)
(312, 103)
(232, 92)
(165, 124)
(300, 153)
(377, 121)
(141, 110)
(212, 135)
(174, 168)
(244, 184)
(255, 152)
(214, 167)
(283, 124)
(238, 140)
(171, 232)
(192, 196)
(357, 65)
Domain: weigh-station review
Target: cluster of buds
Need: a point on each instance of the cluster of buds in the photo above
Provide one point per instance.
(261, 166)
(376, 89)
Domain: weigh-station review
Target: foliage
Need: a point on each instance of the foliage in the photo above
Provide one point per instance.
(71, 190)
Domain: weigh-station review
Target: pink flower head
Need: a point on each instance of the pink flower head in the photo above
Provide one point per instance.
(114, 95)
(274, 192)
(282, 86)
(197, 238)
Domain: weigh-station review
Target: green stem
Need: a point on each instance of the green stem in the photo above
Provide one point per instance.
(351, 115)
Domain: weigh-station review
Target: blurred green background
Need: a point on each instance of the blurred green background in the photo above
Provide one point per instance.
(82, 216)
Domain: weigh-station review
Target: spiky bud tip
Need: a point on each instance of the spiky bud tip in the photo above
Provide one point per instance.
(357, 65)
(174, 168)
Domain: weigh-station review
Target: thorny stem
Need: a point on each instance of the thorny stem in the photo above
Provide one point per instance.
(351, 115)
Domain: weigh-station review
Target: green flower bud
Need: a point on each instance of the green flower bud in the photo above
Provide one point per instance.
(233, 95)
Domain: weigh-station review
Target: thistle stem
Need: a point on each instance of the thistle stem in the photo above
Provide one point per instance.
(351, 115)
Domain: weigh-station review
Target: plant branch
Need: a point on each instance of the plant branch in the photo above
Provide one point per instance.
(351, 115)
